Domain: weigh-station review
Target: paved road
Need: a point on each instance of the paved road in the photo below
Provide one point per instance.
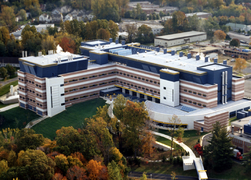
(2, 83)
(247, 88)
(162, 176)
(239, 36)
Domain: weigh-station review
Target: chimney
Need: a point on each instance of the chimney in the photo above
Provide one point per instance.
(39, 53)
(181, 54)
(225, 62)
(172, 52)
(117, 41)
(206, 59)
(165, 51)
(157, 49)
(232, 129)
(110, 40)
(123, 42)
(25, 53)
(197, 57)
(189, 56)
(22, 53)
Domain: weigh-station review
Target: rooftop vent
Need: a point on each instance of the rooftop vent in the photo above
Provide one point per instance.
(39, 53)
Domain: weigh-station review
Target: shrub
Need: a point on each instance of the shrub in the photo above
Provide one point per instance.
(163, 158)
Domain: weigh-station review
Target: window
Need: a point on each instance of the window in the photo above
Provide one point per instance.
(204, 95)
(66, 91)
(164, 88)
(62, 94)
(135, 77)
(190, 102)
(199, 104)
(83, 78)
(155, 92)
(93, 85)
(155, 82)
(66, 82)
(84, 87)
(158, 92)
(143, 79)
(194, 92)
(139, 78)
(185, 100)
(204, 105)
(85, 96)
(194, 103)
(147, 89)
(151, 81)
(62, 104)
(164, 97)
(73, 80)
(147, 80)
(93, 76)
(190, 91)
(199, 94)
(185, 90)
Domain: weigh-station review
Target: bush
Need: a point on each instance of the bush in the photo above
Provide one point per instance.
(171, 159)
(137, 161)
(175, 161)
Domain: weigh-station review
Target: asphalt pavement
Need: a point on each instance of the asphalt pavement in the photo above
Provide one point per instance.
(162, 176)
(239, 36)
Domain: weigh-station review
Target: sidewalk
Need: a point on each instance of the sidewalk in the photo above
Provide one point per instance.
(9, 107)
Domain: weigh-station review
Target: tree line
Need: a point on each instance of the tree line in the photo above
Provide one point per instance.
(70, 36)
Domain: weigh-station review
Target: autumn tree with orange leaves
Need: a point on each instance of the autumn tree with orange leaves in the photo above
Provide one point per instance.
(240, 64)
(96, 171)
(219, 35)
(76, 172)
(67, 44)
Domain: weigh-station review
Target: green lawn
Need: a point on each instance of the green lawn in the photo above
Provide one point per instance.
(232, 119)
(167, 142)
(5, 89)
(16, 118)
(236, 172)
(72, 116)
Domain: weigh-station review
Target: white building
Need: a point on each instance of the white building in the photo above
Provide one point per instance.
(45, 18)
(179, 38)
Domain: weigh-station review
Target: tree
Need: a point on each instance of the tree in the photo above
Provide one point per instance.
(35, 165)
(59, 176)
(148, 142)
(4, 35)
(11, 70)
(2, 49)
(240, 64)
(52, 30)
(96, 170)
(134, 117)
(22, 13)
(13, 48)
(28, 139)
(3, 166)
(114, 171)
(3, 73)
(12, 158)
(219, 35)
(67, 44)
(173, 175)
(174, 121)
(247, 161)
(103, 34)
(131, 29)
(180, 133)
(48, 43)
(62, 163)
(113, 28)
(118, 105)
(235, 42)
(76, 172)
(8, 17)
(144, 177)
(218, 153)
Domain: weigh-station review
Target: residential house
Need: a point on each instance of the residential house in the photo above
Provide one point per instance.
(68, 17)
(45, 18)
(57, 17)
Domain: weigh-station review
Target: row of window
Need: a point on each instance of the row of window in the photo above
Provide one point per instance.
(91, 86)
(113, 72)
(90, 77)
(139, 87)
(195, 93)
(194, 103)
(82, 97)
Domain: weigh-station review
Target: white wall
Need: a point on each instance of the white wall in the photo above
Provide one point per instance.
(169, 92)
(53, 95)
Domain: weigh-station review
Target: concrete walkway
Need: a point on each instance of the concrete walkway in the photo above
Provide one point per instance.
(34, 122)
(9, 107)
(185, 147)
(8, 81)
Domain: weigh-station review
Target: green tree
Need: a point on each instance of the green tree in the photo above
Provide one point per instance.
(4, 35)
(28, 139)
(2, 49)
(144, 177)
(235, 42)
(13, 48)
(113, 29)
(3, 73)
(114, 171)
(218, 153)
(247, 161)
(34, 164)
(11, 70)
(62, 163)
(134, 117)
(22, 13)
(118, 105)
(103, 34)
(12, 158)
(48, 43)
(8, 17)
(3, 166)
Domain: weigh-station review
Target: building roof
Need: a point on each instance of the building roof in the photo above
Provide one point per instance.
(204, 49)
(180, 35)
(52, 59)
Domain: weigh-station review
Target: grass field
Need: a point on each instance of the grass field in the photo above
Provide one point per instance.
(72, 116)
(236, 172)
(16, 118)
(167, 142)
(5, 89)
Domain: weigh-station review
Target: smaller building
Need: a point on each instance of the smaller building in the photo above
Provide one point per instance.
(238, 53)
(179, 38)
(241, 133)
(237, 27)
(205, 50)
(45, 18)
(200, 15)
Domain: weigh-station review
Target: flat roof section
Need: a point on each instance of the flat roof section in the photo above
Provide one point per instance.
(52, 59)
(180, 35)
(205, 49)
(95, 42)
(214, 67)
